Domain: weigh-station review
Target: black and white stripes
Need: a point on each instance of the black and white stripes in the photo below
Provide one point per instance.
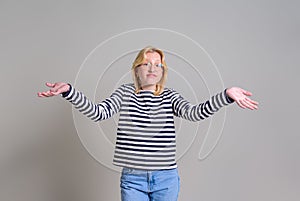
(146, 132)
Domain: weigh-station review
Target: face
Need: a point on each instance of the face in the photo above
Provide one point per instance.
(150, 72)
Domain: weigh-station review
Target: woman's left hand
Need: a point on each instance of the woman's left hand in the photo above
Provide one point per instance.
(241, 97)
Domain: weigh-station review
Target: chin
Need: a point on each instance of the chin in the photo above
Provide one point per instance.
(154, 83)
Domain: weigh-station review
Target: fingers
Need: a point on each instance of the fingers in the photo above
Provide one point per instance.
(247, 93)
(50, 84)
(56, 93)
(45, 94)
(251, 101)
(40, 94)
(243, 104)
(55, 89)
(241, 98)
(247, 103)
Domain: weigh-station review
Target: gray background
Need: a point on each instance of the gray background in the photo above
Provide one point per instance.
(255, 45)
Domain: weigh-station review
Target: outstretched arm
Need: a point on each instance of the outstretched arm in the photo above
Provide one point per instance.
(103, 110)
(184, 109)
(241, 97)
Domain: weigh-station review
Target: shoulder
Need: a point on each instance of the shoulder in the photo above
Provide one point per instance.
(127, 87)
(169, 91)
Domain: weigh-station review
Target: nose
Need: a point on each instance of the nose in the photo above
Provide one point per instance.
(152, 67)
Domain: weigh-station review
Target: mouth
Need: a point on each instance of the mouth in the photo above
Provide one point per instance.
(151, 75)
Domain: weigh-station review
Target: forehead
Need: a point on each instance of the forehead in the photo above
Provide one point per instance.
(152, 56)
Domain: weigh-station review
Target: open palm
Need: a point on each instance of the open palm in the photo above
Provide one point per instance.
(241, 97)
(55, 89)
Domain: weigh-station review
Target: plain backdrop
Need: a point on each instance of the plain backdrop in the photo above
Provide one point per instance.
(252, 44)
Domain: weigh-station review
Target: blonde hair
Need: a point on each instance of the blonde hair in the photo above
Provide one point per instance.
(140, 59)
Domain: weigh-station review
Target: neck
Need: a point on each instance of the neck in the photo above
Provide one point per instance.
(149, 88)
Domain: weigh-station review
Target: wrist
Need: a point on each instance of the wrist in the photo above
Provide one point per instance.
(229, 99)
(66, 93)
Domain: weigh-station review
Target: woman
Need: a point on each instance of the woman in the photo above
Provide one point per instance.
(145, 145)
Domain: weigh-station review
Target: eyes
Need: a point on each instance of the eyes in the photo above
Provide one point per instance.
(149, 64)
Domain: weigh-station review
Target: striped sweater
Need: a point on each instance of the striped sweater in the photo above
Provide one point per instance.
(146, 133)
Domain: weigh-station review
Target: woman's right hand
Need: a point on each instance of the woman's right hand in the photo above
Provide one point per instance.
(55, 89)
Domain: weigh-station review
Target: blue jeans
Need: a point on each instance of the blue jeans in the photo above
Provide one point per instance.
(143, 185)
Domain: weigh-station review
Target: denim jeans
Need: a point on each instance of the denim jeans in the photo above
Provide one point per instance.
(143, 185)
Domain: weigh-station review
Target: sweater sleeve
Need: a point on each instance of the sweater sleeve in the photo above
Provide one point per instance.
(96, 112)
(184, 109)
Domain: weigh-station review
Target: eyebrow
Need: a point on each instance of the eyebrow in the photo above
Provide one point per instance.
(155, 60)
